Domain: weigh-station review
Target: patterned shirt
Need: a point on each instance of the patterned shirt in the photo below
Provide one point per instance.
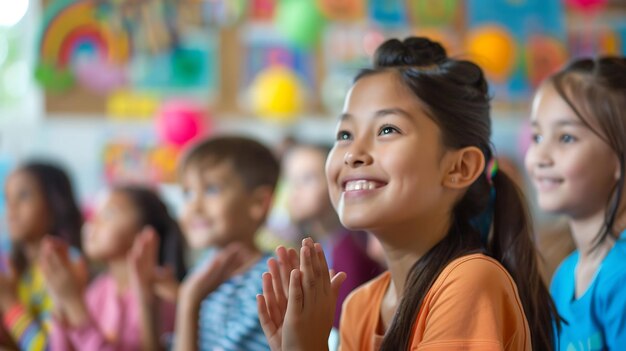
(229, 319)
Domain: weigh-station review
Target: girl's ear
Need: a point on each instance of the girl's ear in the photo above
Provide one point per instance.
(467, 165)
(261, 202)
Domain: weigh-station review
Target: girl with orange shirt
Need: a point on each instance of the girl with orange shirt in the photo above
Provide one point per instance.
(413, 164)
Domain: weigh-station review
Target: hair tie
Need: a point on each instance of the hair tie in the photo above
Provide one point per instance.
(492, 170)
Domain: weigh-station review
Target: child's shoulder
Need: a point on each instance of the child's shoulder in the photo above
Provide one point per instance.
(477, 263)
(251, 276)
(475, 272)
(258, 266)
(612, 276)
(567, 265)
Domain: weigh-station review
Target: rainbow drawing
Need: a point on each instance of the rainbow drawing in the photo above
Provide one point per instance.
(72, 28)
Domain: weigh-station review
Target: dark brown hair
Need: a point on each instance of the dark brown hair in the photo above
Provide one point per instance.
(154, 213)
(251, 160)
(595, 89)
(66, 220)
(455, 95)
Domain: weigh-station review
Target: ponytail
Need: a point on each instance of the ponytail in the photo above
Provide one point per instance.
(455, 95)
(512, 245)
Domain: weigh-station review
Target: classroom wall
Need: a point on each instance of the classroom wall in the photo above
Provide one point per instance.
(77, 126)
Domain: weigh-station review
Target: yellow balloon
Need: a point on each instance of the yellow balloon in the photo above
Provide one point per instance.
(493, 48)
(276, 94)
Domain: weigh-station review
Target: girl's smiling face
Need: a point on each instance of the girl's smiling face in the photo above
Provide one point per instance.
(572, 168)
(387, 165)
(111, 232)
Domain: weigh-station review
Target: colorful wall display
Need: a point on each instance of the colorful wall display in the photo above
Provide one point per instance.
(130, 162)
(165, 48)
(606, 38)
(428, 13)
(262, 47)
(74, 44)
(504, 35)
(387, 13)
(98, 47)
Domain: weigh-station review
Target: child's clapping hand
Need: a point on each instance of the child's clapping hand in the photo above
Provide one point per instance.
(208, 278)
(304, 323)
(143, 261)
(65, 280)
(8, 287)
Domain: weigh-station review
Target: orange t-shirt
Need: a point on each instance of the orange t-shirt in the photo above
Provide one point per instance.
(472, 305)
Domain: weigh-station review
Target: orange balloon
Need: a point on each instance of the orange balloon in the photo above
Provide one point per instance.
(494, 49)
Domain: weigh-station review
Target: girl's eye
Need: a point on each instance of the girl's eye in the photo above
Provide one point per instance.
(567, 138)
(385, 130)
(23, 195)
(536, 138)
(343, 135)
(188, 195)
(211, 190)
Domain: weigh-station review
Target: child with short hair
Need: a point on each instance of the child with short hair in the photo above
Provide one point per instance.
(228, 183)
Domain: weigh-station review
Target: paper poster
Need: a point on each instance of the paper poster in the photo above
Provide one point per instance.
(518, 43)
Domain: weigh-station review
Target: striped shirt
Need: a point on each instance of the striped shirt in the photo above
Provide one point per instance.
(229, 318)
(28, 322)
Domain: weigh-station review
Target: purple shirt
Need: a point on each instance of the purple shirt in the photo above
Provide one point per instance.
(349, 254)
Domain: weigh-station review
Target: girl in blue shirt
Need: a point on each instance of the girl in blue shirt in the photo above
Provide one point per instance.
(576, 163)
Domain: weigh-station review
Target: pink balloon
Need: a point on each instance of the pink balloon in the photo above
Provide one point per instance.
(586, 5)
(179, 122)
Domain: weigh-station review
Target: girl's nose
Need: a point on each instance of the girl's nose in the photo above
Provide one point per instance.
(357, 160)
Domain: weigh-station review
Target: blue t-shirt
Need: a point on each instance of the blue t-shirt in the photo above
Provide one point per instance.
(597, 319)
(229, 319)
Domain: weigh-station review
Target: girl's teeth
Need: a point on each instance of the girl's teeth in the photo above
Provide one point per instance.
(360, 185)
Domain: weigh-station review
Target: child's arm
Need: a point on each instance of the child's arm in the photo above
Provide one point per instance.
(24, 328)
(310, 310)
(65, 282)
(142, 262)
(73, 323)
(196, 287)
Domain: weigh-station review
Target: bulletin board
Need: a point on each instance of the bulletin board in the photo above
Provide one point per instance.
(124, 57)
(92, 50)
